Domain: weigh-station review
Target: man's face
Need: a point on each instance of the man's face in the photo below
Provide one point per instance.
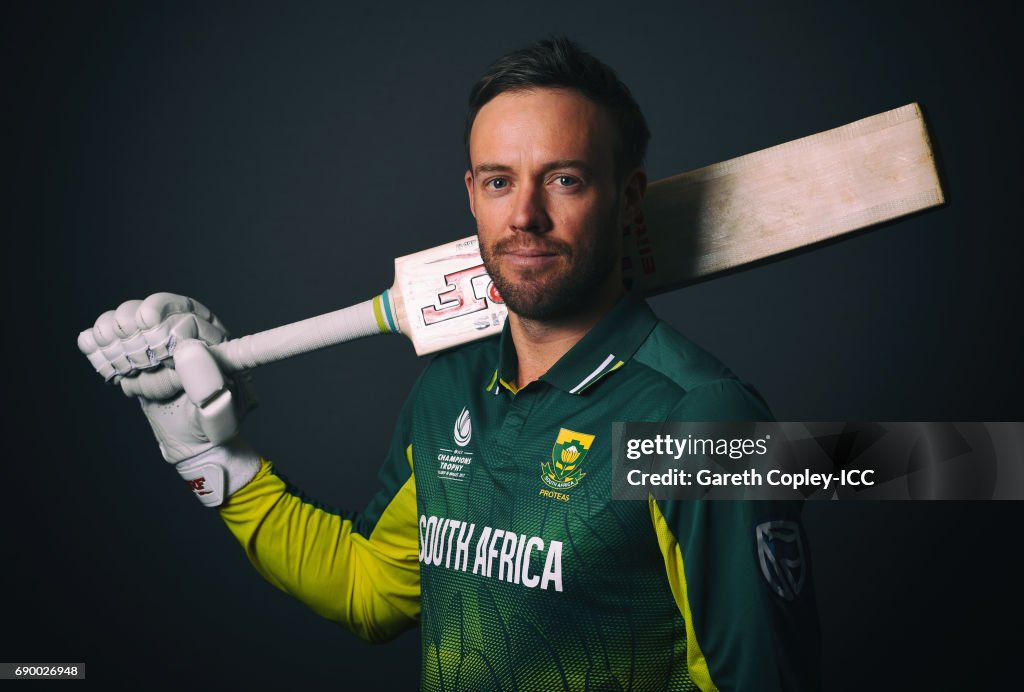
(548, 207)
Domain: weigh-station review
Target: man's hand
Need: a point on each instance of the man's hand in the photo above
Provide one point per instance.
(136, 345)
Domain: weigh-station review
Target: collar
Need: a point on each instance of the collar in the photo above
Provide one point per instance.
(604, 349)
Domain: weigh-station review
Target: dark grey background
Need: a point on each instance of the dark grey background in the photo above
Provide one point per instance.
(272, 159)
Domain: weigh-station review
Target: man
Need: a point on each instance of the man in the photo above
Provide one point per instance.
(495, 528)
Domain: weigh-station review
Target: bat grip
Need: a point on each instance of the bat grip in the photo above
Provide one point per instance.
(370, 317)
(374, 316)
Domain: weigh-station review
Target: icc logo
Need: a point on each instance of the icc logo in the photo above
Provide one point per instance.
(463, 428)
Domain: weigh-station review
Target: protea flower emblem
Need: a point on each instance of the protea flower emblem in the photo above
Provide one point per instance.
(563, 471)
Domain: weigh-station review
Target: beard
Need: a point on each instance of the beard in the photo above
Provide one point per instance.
(551, 293)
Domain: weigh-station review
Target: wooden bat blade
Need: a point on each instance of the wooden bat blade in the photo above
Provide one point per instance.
(782, 198)
(707, 221)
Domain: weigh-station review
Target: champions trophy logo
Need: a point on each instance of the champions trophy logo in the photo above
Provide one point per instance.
(463, 430)
(563, 471)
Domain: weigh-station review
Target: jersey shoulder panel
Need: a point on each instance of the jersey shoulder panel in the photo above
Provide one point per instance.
(679, 359)
(707, 388)
(466, 360)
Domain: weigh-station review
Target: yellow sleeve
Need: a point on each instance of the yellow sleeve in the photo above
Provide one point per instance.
(741, 634)
(676, 572)
(360, 571)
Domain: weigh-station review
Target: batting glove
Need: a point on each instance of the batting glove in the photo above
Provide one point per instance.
(157, 350)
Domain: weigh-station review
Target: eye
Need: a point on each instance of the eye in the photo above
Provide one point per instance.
(566, 180)
(497, 183)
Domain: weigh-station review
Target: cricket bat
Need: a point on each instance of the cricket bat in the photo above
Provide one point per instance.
(695, 225)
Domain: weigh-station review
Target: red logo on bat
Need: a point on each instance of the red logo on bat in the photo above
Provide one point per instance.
(492, 293)
(462, 297)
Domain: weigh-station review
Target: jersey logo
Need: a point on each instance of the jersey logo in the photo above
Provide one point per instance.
(564, 470)
(781, 554)
(463, 430)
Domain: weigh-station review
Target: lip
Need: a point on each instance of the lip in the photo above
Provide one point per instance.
(529, 259)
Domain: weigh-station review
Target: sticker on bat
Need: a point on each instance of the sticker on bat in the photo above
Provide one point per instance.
(468, 291)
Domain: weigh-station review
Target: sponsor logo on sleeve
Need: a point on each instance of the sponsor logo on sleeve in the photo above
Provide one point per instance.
(780, 553)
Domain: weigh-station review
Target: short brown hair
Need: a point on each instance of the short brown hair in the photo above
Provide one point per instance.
(560, 62)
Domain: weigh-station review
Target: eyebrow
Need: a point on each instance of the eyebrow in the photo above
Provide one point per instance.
(551, 165)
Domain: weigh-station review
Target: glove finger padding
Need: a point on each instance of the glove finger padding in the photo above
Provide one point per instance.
(157, 349)
(142, 334)
(167, 319)
(110, 346)
(125, 325)
(155, 385)
(87, 344)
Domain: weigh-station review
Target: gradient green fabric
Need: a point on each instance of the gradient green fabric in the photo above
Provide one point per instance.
(533, 578)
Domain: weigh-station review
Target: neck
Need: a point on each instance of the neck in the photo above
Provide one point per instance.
(540, 343)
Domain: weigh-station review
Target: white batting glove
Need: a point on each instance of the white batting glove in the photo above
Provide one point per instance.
(195, 422)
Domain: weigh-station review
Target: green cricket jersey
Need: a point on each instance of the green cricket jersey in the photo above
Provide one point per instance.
(495, 531)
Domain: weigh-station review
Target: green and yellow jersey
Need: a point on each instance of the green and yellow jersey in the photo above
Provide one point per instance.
(495, 530)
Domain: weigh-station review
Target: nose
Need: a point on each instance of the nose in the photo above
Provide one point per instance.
(529, 213)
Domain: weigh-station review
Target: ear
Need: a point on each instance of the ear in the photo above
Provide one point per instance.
(633, 191)
(469, 191)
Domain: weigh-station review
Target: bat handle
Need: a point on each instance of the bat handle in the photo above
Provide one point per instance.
(374, 316)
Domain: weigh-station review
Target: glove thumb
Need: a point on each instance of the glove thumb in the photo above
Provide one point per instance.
(206, 388)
